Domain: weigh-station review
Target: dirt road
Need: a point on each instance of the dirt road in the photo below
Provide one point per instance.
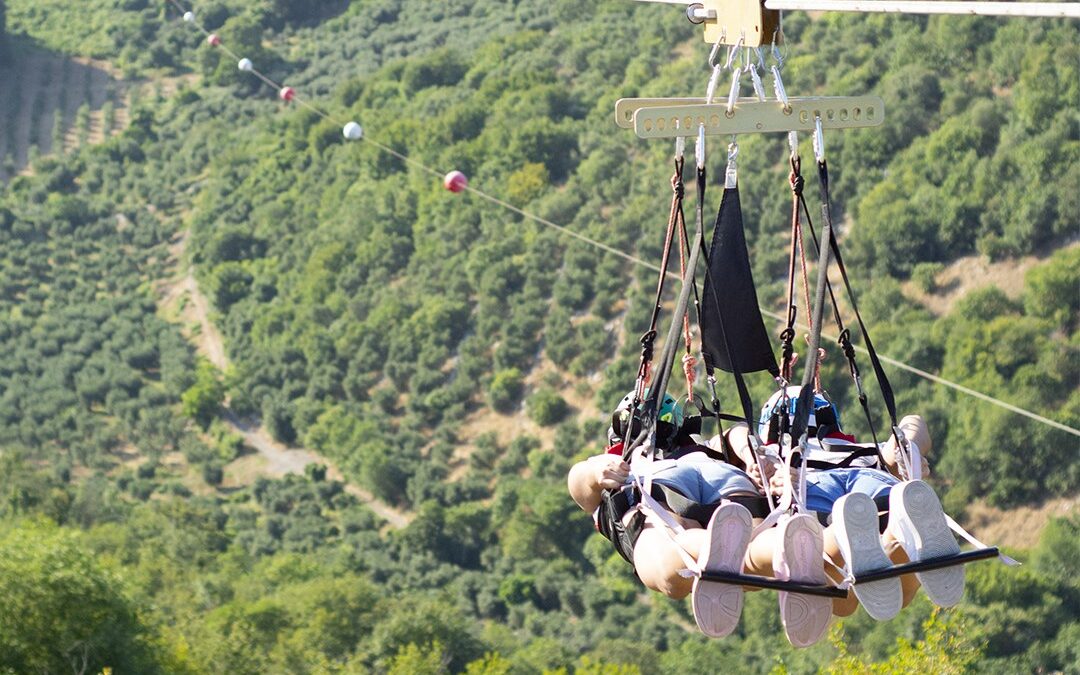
(183, 298)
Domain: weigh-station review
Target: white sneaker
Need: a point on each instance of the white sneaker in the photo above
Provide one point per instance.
(917, 521)
(717, 606)
(799, 558)
(855, 525)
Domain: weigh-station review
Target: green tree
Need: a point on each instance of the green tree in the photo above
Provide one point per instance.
(546, 407)
(506, 389)
(944, 649)
(202, 401)
(62, 610)
(230, 283)
(1050, 289)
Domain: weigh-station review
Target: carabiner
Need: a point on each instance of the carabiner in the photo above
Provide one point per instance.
(819, 140)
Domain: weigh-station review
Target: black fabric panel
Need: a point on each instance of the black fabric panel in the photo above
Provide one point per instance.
(701, 513)
(730, 299)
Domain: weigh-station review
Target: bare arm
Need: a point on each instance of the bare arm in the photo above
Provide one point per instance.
(738, 437)
(588, 479)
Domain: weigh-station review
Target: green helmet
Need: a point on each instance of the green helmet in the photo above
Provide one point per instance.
(669, 419)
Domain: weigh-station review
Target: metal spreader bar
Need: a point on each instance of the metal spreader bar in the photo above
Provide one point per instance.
(928, 565)
(754, 581)
(658, 118)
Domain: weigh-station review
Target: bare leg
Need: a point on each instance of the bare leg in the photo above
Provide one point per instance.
(909, 582)
(914, 428)
(759, 560)
(841, 606)
(759, 555)
(657, 559)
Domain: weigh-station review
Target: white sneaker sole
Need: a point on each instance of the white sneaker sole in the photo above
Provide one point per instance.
(855, 525)
(717, 606)
(922, 520)
(805, 617)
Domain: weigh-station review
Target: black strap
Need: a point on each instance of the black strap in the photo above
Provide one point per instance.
(875, 362)
(845, 334)
(758, 505)
(614, 504)
(806, 394)
(650, 408)
(648, 339)
(858, 452)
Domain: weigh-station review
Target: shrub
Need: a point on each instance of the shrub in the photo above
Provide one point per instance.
(546, 407)
(924, 275)
(505, 390)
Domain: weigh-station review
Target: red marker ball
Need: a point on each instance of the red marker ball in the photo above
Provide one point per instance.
(213, 40)
(287, 94)
(455, 181)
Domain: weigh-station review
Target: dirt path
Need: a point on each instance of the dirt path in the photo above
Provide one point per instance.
(182, 301)
(1018, 527)
(279, 460)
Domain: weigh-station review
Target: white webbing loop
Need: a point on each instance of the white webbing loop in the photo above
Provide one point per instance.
(784, 506)
(848, 579)
(755, 450)
(819, 140)
(710, 92)
(731, 173)
(658, 515)
(699, 147)
(733, 92)
(759, 88)
(778, 88)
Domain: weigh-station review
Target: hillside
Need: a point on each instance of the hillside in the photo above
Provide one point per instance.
(450, 360)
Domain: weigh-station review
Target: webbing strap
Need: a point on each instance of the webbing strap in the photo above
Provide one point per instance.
(675, 217)
(651, 406)
(806, 394)
(844, 339)
(879, 371)
(970, 538)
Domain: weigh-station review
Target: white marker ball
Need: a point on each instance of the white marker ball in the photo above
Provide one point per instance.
(353, 131)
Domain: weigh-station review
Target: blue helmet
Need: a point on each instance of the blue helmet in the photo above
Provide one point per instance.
(824, 414)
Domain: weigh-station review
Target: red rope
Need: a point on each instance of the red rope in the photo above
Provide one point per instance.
(688, 360)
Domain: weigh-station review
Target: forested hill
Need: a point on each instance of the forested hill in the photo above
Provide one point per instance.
(455, 359)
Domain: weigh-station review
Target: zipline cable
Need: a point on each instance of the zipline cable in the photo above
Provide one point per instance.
(600, 245)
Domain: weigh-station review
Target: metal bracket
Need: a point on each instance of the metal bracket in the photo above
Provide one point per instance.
(673, 117)
(731, 21)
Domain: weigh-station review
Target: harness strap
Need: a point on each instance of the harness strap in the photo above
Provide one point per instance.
(651, 406)
(675, 216)
(858, 452)
(970, 538)
(844, 339)
(756, 504)
(875, 361)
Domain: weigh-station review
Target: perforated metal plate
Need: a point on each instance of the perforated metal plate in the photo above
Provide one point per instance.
(753, 116)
